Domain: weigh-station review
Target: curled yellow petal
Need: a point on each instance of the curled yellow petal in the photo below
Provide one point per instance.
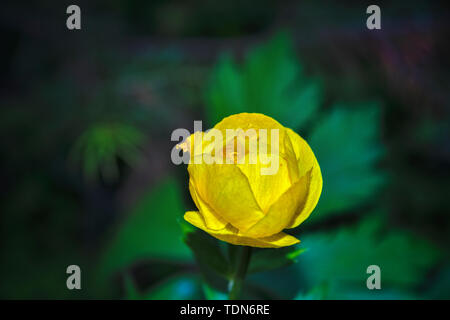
(266, 188)
(232, 235)
(314, 191)
(281, 212)
(288, 153)
(212, 220)
(308, 166)
(228, 193)
(305, 156)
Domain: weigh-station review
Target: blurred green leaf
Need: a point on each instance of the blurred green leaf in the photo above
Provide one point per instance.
(178, 287)
(301, 105)
(150, 231)
(131, 292)
(207, 251)
(319, 292)
(100, 147)
(269, 259)
(341, 258)
(213, 294)
(270, 82)
(224, 95)
(181, 287)
(347, 145)
(280, 283)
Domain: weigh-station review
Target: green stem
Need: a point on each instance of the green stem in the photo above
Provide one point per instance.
(237, 279)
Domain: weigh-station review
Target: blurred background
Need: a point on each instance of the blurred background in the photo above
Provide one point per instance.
(86, 118)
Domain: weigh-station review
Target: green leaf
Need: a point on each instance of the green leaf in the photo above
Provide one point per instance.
(301, 106)
(150, 231)
(347, 145)
(224, 95)
(207, 251)
(269, 259)
(341, 258)
(270, 82)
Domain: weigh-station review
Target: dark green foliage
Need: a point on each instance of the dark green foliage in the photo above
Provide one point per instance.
(207, 251)
(101, 147)
(347, 145)
(340, 258)
(331, 263)
(150, 231)
(102, 98)
(179, 287)
(182, 287)
(269, 259)
(271, 81)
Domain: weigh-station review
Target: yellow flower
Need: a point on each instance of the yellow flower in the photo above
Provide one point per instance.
(237, 202)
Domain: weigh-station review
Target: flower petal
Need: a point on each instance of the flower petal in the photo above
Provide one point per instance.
(231, 235)
(212, 220)
(314, 191)
(248, 121)
(305, 156)
(308, 165)
(281, 212)
(288, 152)
(266, 188)
(227, 190)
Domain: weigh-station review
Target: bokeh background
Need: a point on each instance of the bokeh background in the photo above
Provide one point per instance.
(86, 119)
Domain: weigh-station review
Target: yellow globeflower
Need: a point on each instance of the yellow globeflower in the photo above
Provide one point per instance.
(251, 195)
